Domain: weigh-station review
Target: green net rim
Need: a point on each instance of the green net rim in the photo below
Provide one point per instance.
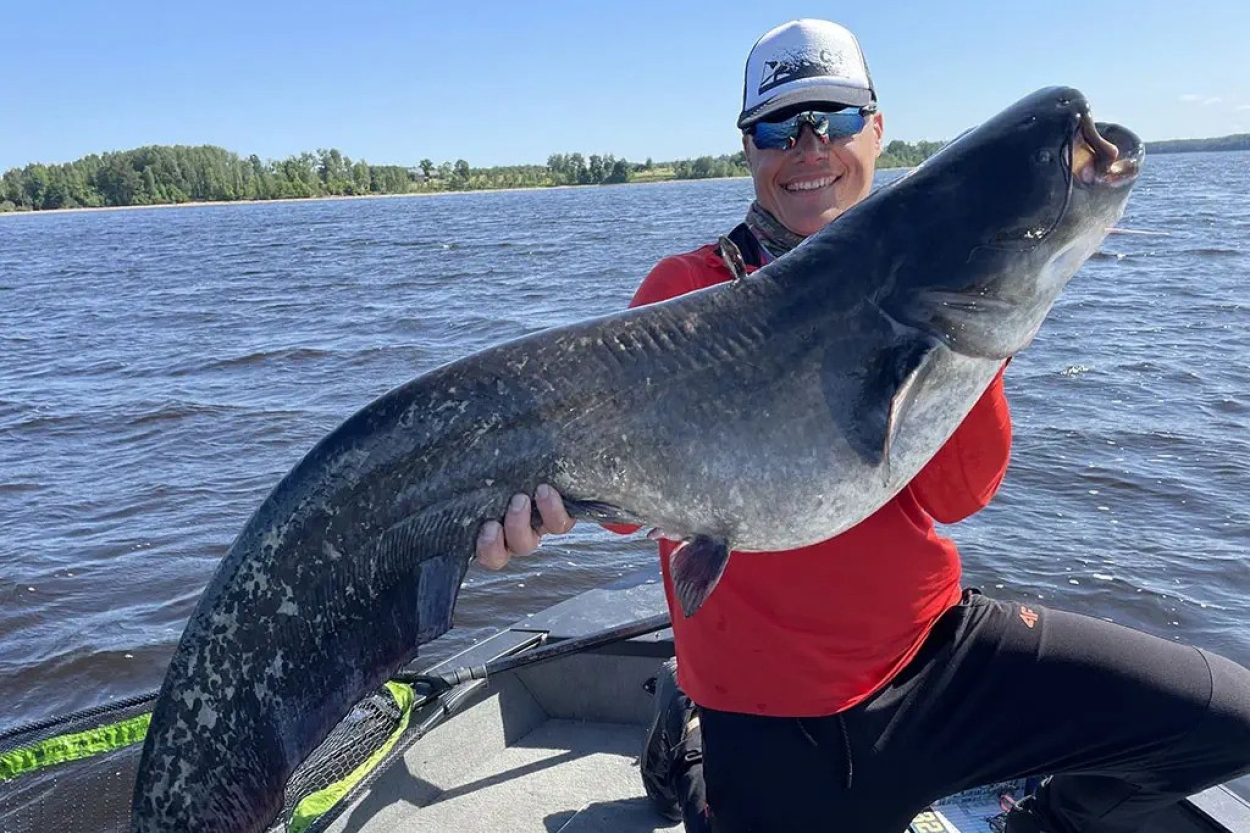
(315, 805)
(76, 746)
(73, 747)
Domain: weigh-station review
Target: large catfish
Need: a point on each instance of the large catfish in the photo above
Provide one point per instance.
(817, 386)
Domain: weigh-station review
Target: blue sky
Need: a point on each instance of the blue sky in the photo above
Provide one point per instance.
(512, 82)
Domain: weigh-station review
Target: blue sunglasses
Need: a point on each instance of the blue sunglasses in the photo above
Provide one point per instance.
(783, 135)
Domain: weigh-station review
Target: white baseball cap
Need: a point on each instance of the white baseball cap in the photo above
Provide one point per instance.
(804, 62)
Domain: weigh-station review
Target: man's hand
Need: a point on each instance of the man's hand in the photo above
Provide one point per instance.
(497, 543)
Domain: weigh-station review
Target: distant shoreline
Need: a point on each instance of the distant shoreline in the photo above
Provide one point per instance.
(281, 199)
(202, 203)
(1224, 144)
(1166, 147)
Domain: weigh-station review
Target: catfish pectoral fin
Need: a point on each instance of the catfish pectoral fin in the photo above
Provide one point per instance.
(597, 511)
(697, 566)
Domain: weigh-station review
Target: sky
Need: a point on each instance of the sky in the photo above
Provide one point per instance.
(502, 83)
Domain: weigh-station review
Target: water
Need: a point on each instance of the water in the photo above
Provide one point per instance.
(160, 370)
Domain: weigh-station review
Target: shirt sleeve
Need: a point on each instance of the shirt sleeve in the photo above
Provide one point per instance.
(965, 474)
(669, 278)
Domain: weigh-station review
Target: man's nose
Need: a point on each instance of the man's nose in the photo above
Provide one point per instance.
(809, 142)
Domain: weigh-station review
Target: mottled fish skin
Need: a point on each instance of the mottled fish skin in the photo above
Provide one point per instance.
(820, 384)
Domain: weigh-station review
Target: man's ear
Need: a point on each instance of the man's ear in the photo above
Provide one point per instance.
(878, 130)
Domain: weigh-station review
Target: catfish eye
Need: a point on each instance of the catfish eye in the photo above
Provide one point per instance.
(1044, 156)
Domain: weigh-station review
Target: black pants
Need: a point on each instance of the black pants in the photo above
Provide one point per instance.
(1125, 722)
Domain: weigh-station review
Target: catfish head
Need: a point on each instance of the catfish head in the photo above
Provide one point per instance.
(999, 221)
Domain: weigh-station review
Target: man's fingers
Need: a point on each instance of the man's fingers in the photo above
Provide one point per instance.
(491, 552)
(551, 506)
(497, 543)
(521, 538)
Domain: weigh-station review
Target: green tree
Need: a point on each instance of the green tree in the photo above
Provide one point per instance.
(620, 172)
(151, 191)
(12, 188)
(332, 170)
(118, 182)
(389, 179)
(576, 171)
(36, 185)
(362, 177)
(57, 193)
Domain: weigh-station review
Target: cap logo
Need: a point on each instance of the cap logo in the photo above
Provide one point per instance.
(794, 67)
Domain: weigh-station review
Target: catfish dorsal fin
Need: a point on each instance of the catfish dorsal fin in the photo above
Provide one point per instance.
(697, 566)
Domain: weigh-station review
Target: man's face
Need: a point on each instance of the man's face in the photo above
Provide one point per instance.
(810, 184)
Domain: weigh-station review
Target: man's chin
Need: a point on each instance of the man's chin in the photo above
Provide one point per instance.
(807, 219)
(809, 223)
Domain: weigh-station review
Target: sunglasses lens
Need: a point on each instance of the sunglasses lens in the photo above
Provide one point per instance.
(784, 134)
(775, 135)
(844, 122)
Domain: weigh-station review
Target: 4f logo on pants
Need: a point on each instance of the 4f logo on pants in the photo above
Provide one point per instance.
(1028, 616)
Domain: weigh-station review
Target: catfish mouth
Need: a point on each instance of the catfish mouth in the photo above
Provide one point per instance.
(1103, 154)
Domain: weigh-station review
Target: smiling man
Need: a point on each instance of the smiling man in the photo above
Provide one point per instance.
(845, 685)
(811, 130)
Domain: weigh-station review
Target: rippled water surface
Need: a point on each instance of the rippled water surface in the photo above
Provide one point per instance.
(161, 369)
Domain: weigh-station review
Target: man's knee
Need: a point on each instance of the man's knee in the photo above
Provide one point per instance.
(1226, 727)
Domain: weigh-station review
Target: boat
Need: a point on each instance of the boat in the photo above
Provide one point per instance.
(536, 728)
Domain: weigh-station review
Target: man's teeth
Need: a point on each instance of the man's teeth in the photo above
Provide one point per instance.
(810, 185)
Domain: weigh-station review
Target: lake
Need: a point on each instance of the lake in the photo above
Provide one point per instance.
(162, 369)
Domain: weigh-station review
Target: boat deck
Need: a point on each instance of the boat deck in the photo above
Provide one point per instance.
(567, 776)
(540, 751)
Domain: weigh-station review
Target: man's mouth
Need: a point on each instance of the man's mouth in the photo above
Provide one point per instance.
(809, 184)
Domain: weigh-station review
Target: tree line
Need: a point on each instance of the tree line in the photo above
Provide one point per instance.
(157, 175)
(899, 154)
(1236, 141)
(171, 174)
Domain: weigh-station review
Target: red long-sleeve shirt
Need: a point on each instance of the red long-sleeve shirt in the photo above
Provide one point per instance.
(816, 630)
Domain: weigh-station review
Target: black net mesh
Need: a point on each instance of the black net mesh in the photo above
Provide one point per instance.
(76, 774)
(356, 739)
(88, 790)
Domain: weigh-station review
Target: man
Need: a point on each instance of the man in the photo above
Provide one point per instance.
(847, 685)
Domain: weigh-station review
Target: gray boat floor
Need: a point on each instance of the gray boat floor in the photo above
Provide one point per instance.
(568, 776)
(546, 750)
